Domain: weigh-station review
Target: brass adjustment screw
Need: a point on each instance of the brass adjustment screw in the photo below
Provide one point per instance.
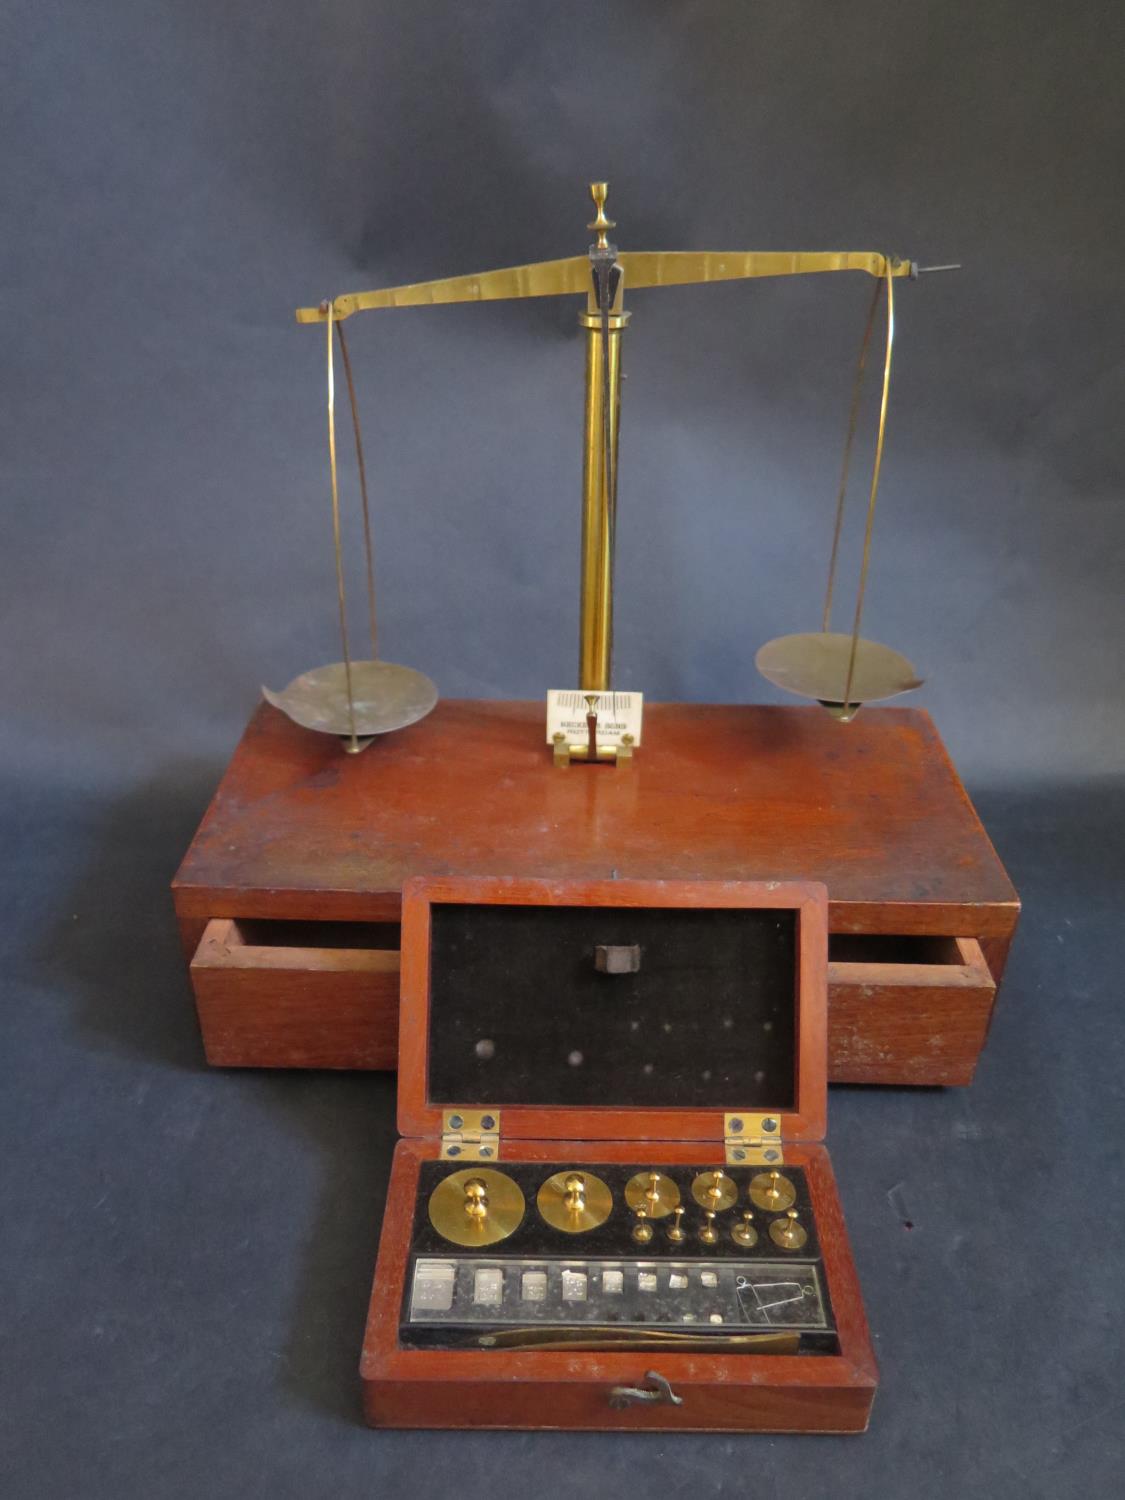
(744, 1233)
(676, 1232)
(787, 1232)
(709, 1234)
(642, 1229)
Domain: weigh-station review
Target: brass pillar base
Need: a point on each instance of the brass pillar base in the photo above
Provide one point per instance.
(564, 752)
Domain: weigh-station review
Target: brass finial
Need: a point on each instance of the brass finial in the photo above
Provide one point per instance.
(601, 224)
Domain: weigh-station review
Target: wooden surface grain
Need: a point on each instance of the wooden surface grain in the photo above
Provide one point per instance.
(299, 831)
(873, 809)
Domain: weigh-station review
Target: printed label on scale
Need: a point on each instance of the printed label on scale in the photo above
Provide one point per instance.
(618, 714)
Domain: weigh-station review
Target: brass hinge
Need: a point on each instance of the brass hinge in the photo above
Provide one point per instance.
(753, 1139)
(471, 1134)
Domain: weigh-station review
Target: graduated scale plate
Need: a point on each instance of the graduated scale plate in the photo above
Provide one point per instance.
(385, 697)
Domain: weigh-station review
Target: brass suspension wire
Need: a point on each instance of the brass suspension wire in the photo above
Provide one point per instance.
(853, 417)
(336, 533)
(362, 468)
(877, 465)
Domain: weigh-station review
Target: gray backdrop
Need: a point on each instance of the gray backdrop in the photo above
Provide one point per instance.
(181, 177)
(190, 1250)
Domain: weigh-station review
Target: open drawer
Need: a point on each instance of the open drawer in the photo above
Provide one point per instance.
(279, 994)
(906, 1009)
(298, 994)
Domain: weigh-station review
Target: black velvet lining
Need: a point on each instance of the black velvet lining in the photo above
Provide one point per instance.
(519, 1014)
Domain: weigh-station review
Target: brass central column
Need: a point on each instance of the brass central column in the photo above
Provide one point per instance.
(599, 471)
(596, 632)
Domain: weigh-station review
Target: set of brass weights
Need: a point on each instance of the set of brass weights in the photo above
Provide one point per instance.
(483, 1206)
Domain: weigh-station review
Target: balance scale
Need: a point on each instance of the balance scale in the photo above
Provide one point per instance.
(289, 897)
(359, 699)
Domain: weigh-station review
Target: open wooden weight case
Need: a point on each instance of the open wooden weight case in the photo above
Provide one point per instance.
(610, 1207)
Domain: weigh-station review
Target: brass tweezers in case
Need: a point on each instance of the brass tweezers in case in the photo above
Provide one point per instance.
(608, 1338)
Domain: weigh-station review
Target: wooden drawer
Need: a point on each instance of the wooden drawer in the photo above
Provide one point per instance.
(906, 1009)
(277, 994)
(298, 994)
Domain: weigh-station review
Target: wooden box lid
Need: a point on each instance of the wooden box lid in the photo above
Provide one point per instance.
(614, 1009)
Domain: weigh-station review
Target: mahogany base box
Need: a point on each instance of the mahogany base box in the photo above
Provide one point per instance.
(289, 898)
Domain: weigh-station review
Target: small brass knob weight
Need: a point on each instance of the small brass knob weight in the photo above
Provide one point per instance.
(676, 1232)
(642, 1229)
(744, 1233)
(714, 1190)
(787, 1232)
(574, 1201)
(658, 1193)
(709, 1234)
(772, 1191)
